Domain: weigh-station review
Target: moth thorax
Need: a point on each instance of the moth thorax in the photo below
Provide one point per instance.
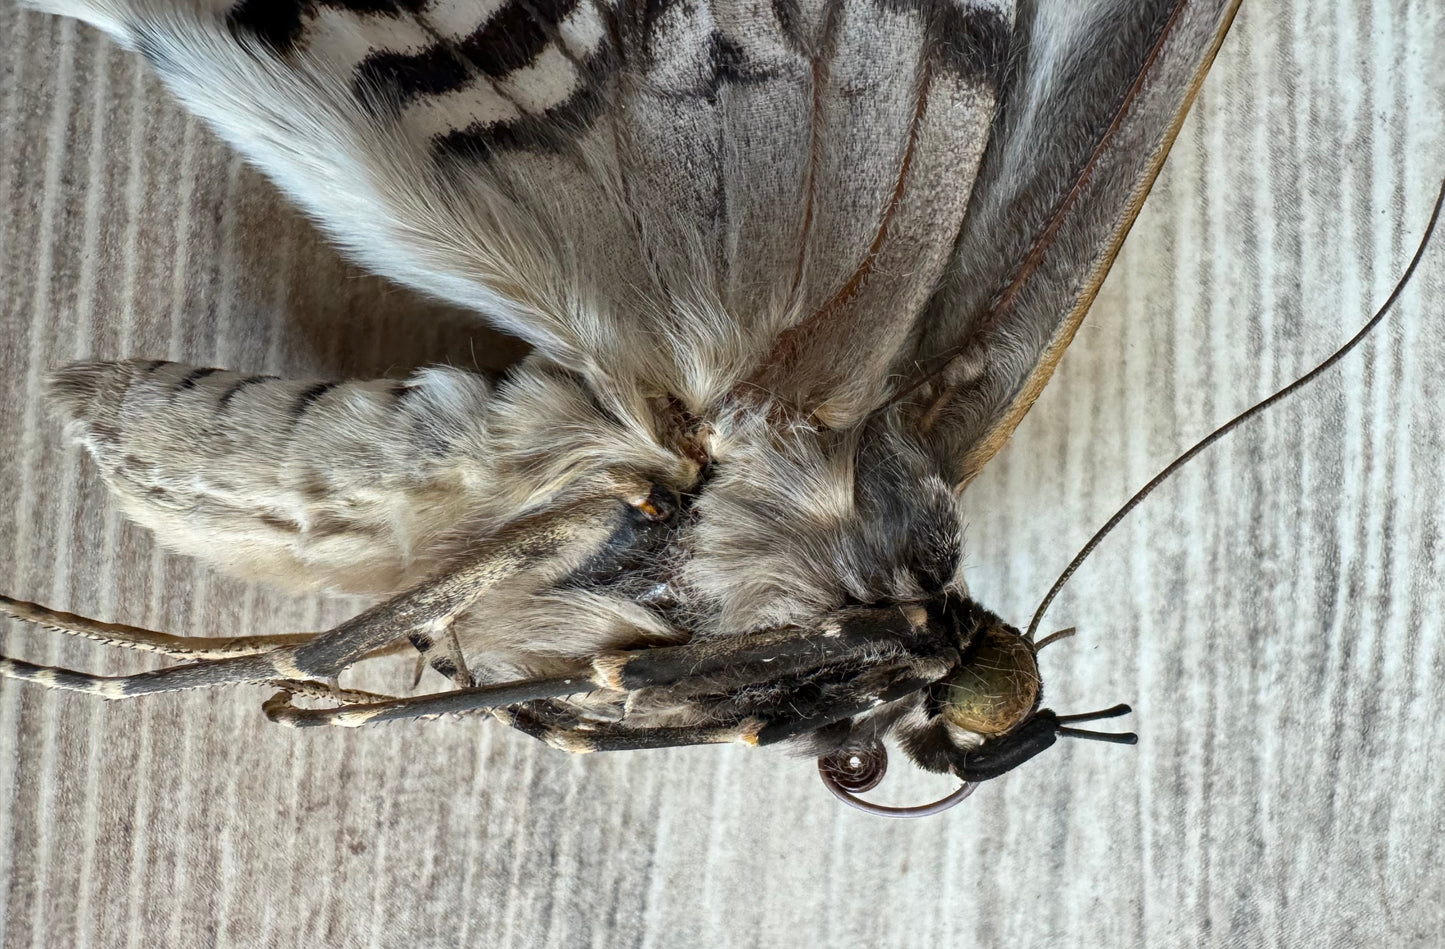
(997, 687)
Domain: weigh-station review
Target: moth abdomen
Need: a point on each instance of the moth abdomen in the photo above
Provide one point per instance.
(347, 482)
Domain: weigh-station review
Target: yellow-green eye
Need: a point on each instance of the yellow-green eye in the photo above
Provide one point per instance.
(997, 687)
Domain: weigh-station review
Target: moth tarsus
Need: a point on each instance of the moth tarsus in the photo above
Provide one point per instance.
(785, 297)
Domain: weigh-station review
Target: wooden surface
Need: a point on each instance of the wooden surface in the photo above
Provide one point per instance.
(1275, 614)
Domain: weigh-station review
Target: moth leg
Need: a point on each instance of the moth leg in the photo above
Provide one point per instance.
(554, 726)
(755, 731)
(452, 663)
(569, 733)
(773, 719)
(772, 653)
(582, 741)
(330, 691)
(463, 677)
(279, 708)
(580, 737)
(496, 698)
(802, 715)
(430, 607)
(146, 640)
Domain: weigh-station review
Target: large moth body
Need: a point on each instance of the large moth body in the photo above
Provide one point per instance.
(792, 273)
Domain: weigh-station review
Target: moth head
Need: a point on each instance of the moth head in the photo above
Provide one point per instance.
(995, 694)
(980, 721)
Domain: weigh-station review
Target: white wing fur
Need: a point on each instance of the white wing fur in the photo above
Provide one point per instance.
(649, 194)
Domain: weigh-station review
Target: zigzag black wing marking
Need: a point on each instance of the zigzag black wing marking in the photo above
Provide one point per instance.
(469, 76)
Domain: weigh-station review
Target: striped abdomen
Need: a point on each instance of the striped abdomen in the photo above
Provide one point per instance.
(311, 484)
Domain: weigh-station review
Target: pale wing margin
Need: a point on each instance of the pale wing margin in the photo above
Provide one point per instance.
(1089, 110)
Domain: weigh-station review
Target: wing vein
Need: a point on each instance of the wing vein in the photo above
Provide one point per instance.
(1034, 258)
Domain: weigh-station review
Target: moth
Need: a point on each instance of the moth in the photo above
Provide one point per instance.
(792, 272)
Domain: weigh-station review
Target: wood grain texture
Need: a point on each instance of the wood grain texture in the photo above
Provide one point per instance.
(1275, 614)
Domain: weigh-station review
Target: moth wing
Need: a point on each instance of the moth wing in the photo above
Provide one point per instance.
(1087, 114)
(652, 191)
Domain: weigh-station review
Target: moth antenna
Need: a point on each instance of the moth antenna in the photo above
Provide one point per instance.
(1238, 420)
(1054, 637)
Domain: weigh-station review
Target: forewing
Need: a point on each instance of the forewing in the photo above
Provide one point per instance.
(905, 93)
(1092, 101)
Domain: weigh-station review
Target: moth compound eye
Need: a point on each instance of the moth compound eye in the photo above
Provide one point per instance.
(997, 686)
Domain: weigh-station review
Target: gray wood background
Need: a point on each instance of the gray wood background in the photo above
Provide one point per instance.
(1275, 615)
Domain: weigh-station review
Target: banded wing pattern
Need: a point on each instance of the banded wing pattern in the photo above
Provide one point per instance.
(468, 77)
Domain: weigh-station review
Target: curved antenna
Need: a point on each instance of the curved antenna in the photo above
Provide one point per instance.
(1238, 420)
(1054, 637)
